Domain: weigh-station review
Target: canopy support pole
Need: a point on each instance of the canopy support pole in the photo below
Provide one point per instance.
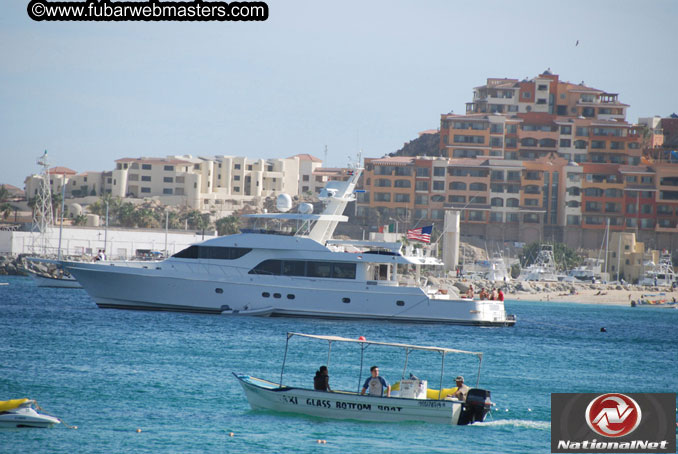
(407, 354)
(360, 375)
(284, 359)
(329, 352)
(442, 372)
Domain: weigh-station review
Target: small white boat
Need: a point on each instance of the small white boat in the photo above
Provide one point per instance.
(408, 406)
(49, 273)
(21, 413)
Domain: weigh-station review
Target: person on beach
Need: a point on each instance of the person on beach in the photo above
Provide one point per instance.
(500, 295)
(483, 294)
(376, 384)
(493, 295)
(321, 381)
(462, 389)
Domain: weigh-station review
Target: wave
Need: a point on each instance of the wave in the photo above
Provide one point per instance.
(524, 423)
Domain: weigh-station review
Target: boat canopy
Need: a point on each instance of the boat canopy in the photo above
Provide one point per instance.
(388, 344)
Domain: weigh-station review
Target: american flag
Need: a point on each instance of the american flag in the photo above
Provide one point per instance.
(420, 234)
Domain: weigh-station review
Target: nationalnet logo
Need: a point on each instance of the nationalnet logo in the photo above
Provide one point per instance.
(613, 415)
(613, 422)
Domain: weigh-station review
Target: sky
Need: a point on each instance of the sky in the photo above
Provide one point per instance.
(349, 75)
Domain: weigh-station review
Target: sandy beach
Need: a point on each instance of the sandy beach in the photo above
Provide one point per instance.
(600, 294)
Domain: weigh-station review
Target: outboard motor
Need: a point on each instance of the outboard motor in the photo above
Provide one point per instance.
(475, 408)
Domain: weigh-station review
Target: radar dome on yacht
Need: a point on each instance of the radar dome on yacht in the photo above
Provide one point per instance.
(327, 193)
(305, 208)
(283, 203)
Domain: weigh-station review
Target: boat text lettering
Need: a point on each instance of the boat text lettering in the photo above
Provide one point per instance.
(388, 408)
(290, 400)
(428, 403)
(353, 406)
(319, 403)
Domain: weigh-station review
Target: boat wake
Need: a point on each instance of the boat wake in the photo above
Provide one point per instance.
(523, 423)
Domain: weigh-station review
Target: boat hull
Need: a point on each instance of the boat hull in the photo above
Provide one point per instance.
(214, 291)
(53, 282)
(263, 395)
(26, 417)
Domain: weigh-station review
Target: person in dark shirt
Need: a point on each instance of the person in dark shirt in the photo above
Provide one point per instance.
(321, 381)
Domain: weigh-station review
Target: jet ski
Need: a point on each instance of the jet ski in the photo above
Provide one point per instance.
(22, 413)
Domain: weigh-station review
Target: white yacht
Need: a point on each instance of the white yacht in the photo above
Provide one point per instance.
(661, 274)
(544, 267)
(305, 274)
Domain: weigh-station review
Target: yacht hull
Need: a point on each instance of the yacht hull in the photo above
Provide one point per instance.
(154, 288)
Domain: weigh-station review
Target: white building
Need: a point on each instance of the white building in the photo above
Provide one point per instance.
(87, 241)
(219, 184)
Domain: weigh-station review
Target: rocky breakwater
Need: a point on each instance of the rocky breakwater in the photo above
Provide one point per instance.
(11, 265)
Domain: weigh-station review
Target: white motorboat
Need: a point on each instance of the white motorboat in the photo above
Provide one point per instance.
(590, 271)
(544, 267)
(300, 274)
(21, 413)
(412, 406)
(49, 273)
(661, 274)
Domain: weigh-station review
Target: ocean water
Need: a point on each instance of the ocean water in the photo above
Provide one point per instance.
(112, 372)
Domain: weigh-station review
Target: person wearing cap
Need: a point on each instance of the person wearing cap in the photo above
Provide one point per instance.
(462, 389)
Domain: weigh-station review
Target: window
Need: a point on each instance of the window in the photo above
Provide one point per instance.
(145, 166)
(496, 217)
(131, 177)
(145, 190)
(565, 143)
(402, 184)
(421, 186)
(421, 199)
(526, 95)
(438, 185)
(212, 252)
(294, 268)
(268, 267)
(236, 166)
(343, 270)
(476, 215)
(439, 171)
(456, 199)
(566, 130)
(304, 178)
(145, 178)
(167, 191)
(402, 198)
(168, 168)
(457, 186)
(512, 203)
(168, 180)
(531, 202)
(382, 196)
(477, 187)
(422, 171)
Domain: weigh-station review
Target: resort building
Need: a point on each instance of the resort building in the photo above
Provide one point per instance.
(215, 183)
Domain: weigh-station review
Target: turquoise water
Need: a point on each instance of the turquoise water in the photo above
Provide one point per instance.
(111, 372)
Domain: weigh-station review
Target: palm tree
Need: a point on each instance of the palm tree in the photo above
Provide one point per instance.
(228, 225)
